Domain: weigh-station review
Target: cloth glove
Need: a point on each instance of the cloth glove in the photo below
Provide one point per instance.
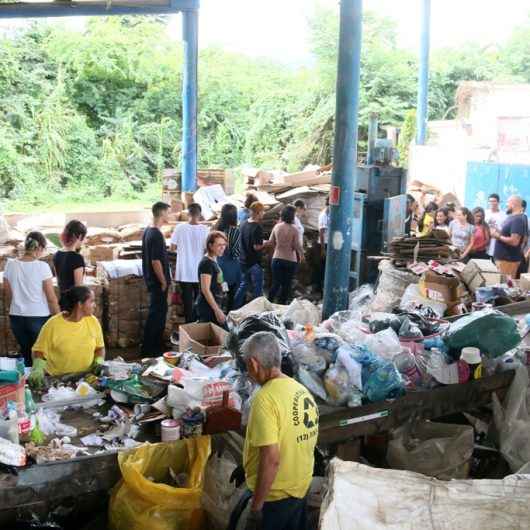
(36, 376)
(254, 520)
(238, 476)
(97, 365)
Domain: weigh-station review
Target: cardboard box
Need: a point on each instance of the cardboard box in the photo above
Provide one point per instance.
(484, 279)
(441, 288)
(202, 338)
(478, 266)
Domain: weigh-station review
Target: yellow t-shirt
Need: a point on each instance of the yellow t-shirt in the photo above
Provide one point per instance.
(68, 347)
(283, 412)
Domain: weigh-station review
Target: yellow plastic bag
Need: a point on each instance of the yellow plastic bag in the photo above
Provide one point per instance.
(141, 500)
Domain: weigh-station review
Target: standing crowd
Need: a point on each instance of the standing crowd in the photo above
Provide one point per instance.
(501, 236)
(219, 269)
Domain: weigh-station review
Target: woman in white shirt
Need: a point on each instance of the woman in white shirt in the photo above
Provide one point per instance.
(28, 283)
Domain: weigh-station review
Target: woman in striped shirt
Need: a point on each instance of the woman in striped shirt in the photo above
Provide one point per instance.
(229, 261)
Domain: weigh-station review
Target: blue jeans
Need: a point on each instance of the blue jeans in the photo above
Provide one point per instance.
(287, 514)
(252, 277)
(283, 272)
(26, 331)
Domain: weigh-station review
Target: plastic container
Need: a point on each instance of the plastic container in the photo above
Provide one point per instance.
(471, 355)
(170, 430)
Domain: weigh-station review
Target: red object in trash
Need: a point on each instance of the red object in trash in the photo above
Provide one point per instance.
(222, 418)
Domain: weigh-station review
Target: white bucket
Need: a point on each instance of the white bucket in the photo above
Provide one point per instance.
(170, 430)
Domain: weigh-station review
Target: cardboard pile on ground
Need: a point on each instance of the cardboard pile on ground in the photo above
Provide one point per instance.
(314, 198)
(101, 236)
(131, 232)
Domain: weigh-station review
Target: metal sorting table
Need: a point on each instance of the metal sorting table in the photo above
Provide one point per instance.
(340, 425)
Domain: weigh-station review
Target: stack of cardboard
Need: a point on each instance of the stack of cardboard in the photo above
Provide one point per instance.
(125, 304)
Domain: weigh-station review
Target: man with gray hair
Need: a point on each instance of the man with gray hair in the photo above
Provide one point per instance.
(511, 238)
(281, 435)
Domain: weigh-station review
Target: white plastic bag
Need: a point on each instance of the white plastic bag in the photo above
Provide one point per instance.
(12, 454)
(219, 495)
(513, 421)
(391, 286)
(302, 312)
(351, 366)
(200, 392)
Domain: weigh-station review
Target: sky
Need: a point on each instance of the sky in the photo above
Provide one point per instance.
(277, 29)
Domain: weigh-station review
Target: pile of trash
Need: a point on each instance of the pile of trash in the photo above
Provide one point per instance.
(353, 358)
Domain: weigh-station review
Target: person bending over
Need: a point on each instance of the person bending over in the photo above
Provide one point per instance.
(282, 432)
(70, 342)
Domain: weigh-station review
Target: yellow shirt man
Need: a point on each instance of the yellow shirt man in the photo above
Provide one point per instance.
(69, 347)
(283, 412)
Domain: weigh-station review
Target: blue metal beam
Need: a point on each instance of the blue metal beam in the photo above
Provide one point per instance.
(190, 21)
(423, 78)
(95, 8)
(344, 177)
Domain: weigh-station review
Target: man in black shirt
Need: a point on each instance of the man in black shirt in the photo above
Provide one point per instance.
(157, 278)
(251, 246)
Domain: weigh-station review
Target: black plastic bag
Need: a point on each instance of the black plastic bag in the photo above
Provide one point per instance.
(267, 321)
(382, 321)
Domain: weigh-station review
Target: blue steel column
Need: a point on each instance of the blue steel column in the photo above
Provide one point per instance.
(190, 31)
(343, 179)
(423, 78)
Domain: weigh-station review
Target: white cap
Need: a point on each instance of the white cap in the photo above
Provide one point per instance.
(471, 355)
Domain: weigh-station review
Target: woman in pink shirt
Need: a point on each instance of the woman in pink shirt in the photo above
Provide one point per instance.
(288, 253)
(481, 239)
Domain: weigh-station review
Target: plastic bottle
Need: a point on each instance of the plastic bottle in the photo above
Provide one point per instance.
(21, 367)
(31, 408)
(12, 430)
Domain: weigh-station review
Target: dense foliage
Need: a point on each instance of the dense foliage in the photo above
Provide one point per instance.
(94, 114)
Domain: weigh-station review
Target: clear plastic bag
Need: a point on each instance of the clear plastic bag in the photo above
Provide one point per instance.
(385, 343)
(361, 298)
(512, 421)
(312, 382)
(338, 386)
(308, 356)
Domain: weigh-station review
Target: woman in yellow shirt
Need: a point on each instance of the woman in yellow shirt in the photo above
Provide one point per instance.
(71, 341)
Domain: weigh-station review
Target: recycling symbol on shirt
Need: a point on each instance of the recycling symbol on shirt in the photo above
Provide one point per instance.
(310, 413)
